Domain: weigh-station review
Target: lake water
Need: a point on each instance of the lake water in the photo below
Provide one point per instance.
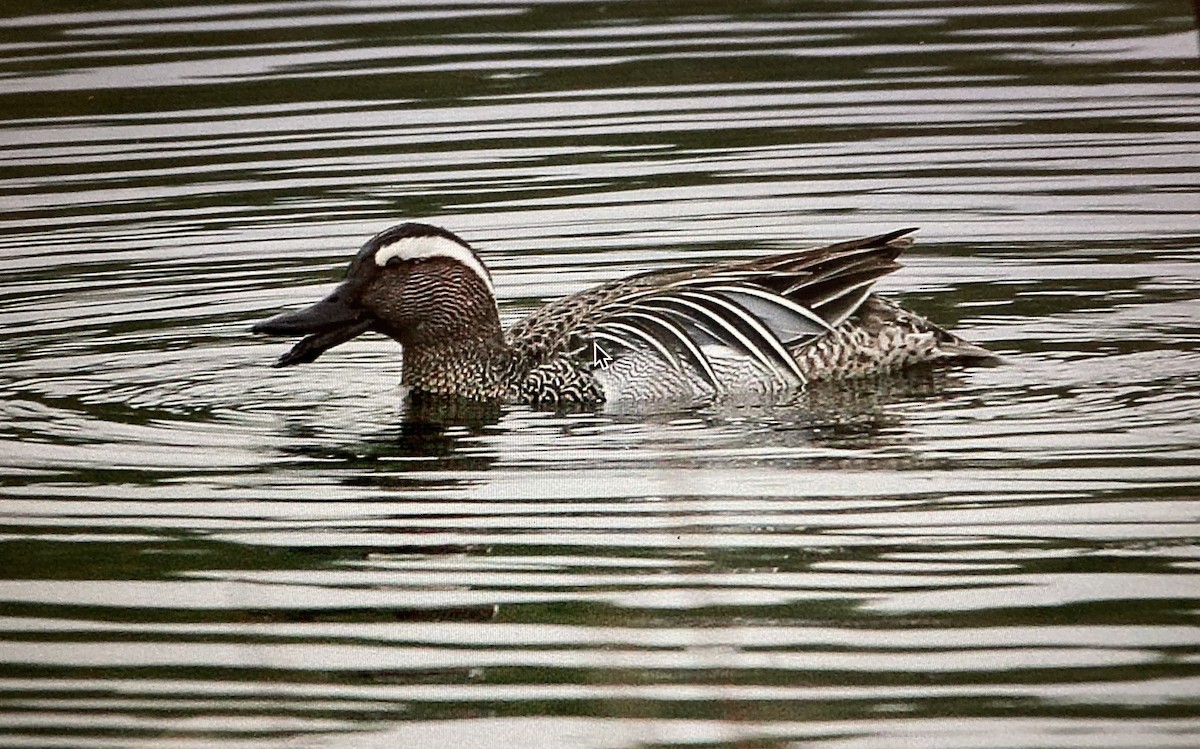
(198, 550)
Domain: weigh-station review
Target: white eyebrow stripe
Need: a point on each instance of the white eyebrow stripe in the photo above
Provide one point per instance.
(421, 248)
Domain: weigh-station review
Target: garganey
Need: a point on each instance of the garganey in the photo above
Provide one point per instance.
(764, 326)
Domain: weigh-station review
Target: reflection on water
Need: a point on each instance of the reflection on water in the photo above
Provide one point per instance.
(198, 549)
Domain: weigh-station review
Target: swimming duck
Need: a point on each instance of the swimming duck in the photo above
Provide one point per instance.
(763, 326)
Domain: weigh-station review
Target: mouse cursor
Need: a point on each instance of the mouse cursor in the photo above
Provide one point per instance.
(600, 357)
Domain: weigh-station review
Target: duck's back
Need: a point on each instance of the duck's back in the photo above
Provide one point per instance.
(756, 327)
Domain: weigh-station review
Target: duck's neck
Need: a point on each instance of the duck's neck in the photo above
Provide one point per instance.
(466, 364)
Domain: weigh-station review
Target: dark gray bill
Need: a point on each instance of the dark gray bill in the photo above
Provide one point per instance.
(324, 325)
(310, 347)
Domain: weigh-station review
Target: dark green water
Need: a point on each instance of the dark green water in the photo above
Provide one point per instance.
(197, 550)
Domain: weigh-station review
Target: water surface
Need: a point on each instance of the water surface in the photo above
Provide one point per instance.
(199, 550)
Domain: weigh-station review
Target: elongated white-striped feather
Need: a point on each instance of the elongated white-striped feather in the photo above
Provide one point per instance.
(633, 332)
(750, 320)
(800, 283)
(699, 308)
(846, 302)
(772, 298)
(635, 322)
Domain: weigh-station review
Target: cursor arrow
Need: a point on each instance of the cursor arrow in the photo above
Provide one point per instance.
(600, 357)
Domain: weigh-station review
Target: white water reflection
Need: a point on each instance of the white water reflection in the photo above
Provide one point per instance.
(199, 549)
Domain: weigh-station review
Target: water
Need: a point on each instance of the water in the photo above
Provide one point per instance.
(198, 550)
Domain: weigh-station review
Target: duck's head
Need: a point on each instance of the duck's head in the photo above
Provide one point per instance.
(419, 284)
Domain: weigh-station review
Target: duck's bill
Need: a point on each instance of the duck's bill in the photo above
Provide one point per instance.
(328, 323)
(312, 346)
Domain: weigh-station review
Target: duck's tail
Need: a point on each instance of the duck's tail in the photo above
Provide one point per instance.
(883, 337)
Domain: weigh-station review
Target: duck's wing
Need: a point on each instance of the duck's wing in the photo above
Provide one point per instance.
(760, 309)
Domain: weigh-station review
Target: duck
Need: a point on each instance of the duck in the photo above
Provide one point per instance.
(763, 327)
